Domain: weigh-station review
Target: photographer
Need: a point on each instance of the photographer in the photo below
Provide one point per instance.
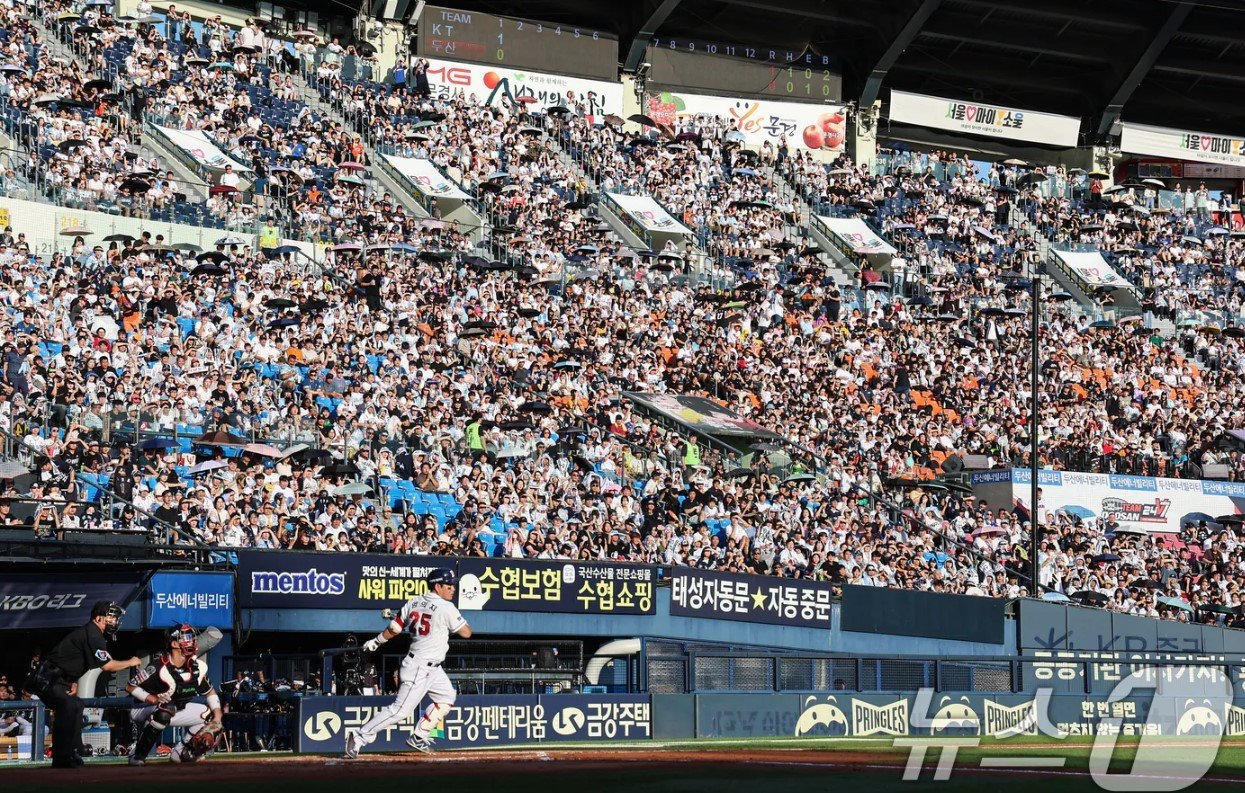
(55, 681)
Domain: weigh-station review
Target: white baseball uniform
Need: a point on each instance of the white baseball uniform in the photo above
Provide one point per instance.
(429, 619)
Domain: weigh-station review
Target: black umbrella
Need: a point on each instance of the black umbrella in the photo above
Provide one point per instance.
(483, 324)
(280, 303)
(640, 118)
(1226, 519)
(472, 333)
(340, 468)
(157, 443)
(119, 238)
(72, 143)
(98, 82)
(902, 482)
(315, 304)
(583, 463)
(740, 473)
(1090, 598)
(285, 322)
(209, 269)
(215, 257)
(528, 313)
(535, 407)
(517, 425)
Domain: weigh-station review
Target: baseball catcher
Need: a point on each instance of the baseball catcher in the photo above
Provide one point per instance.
(164, 690)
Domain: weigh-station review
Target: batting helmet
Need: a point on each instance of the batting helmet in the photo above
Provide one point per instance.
(441, 575)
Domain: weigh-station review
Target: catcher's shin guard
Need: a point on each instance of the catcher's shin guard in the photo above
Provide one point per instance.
(148, 737)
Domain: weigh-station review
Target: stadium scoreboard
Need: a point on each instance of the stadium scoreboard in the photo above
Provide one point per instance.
(743, 71)
(524, 44)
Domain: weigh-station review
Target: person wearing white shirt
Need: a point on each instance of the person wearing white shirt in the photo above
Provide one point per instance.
(228, 178)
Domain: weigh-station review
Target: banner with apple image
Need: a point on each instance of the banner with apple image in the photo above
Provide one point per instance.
(806, 127)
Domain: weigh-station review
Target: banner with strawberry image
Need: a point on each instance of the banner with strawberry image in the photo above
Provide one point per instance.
(804, 126)
(1183, 144)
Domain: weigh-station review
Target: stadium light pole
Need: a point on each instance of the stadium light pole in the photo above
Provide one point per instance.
(1034, 467)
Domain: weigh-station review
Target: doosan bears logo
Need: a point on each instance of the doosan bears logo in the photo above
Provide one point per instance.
(1136, 512)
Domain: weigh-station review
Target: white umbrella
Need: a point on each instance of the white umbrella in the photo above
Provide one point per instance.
(207, 465)
(352, 489)
(232, 239)
(293, 450)
(12, 470)
(111, 329)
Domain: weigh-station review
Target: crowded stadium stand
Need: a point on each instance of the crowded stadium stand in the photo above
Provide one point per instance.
(435, 318)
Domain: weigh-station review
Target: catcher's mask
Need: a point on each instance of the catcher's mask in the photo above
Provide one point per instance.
(112, 614)
(184, 638)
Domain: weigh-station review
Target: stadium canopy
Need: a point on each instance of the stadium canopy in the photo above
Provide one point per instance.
(1162, 62)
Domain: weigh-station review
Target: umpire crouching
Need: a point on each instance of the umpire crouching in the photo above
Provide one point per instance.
(56, 679)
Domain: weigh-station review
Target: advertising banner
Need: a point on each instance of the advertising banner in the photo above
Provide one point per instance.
(868, 609)
(1001, 715)
(426, 178)
(555, 586)
(480, 721)
(1091, 269)
(648, 215)
(804, 126)
(201, 149)
(52, 601)
(1055, 628)
(286, 579)
(977, 118)
(750, 598)
(1183, 144)
(856, 236)
(493, 85)
(197, 599)
(1136, 503)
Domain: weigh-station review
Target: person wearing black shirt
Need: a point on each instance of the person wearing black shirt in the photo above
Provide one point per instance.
(56, 682)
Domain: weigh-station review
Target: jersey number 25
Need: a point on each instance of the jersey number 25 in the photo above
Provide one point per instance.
(422, 625)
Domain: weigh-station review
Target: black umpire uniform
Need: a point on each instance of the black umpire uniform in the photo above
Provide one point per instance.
(84, 649)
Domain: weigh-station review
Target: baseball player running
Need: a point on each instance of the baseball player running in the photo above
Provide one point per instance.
(430, 619)
(164, 690)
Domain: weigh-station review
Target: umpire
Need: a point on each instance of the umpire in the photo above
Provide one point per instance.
(56, 679)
